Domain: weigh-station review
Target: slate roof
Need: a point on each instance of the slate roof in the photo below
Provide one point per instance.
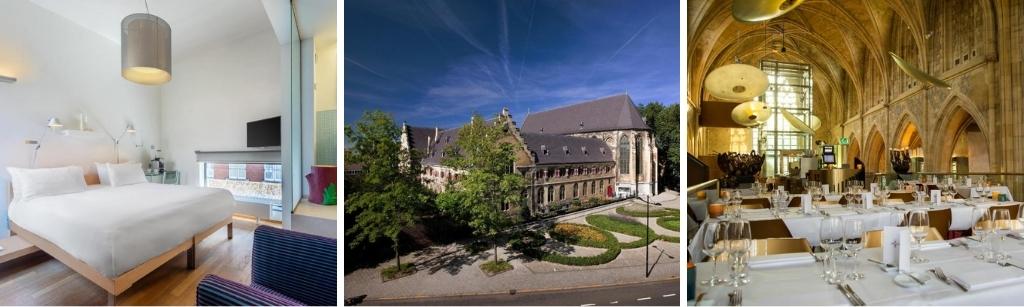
(556, 146)
(608, 113)
(418, 140)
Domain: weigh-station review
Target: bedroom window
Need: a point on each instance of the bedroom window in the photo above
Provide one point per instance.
(272, 172)
(236, 171)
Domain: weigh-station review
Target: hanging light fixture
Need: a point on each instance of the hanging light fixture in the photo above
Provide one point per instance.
(145, 49)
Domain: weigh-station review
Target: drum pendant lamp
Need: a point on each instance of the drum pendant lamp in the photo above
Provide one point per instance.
(145, 49)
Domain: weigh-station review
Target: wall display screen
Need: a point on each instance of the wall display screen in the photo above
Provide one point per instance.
(828, 154)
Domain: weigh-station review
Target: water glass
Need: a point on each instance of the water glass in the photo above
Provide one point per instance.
(919, 228)
(982, 227)
(853, 235)
(1001, 227)
(831, 237)
(739, 246)
(715, 240)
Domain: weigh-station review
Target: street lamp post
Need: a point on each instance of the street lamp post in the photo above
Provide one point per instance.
(647, 246)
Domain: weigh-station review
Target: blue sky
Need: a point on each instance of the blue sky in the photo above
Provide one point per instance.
(435, 63)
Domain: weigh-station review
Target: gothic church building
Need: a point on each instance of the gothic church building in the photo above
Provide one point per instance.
(592, 150)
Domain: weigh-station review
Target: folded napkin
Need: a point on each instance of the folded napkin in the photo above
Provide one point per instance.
(893, 201)
(980, 276)
(937, 244)
(833, 197)
(840, 211)
(771, 261)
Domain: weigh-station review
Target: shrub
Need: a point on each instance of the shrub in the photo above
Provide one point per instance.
(495, 267)
(582, 235)
(669, 222)
(568, 232)
(622, 225)
(594, 202)
(393, 272)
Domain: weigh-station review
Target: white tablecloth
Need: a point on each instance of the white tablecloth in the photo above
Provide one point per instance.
(807, 226)
(800, 284)
(1002, 189)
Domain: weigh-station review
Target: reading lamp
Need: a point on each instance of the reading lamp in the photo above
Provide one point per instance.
(51, 124)
(6, 79)
(129, 129)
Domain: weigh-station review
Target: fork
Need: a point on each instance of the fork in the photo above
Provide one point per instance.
(1006, 264)
(942, 276)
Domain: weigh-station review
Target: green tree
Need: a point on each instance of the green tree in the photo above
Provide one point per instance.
(486, 155)
(388, 195)
(665, 122)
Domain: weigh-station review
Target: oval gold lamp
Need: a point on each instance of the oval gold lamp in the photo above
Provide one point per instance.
(145, 49)
(751, 11)
(916, 73)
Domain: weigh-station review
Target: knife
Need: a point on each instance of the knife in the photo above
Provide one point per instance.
(854, 293)
(914, 278)
(847, 295)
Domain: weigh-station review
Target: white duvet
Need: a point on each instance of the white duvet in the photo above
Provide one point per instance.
(115, 229)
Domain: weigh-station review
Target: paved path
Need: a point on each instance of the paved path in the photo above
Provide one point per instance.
(451, 270)
(656, 293)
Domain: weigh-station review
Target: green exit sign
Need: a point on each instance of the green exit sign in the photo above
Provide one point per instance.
(844, 141)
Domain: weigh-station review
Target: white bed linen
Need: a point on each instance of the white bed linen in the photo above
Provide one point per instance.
(115, 229)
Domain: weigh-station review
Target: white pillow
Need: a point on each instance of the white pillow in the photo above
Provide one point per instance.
(31, 183)
(125, 174)
(101, 171)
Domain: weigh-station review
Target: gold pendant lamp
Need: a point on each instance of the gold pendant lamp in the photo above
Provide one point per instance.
(145, 49)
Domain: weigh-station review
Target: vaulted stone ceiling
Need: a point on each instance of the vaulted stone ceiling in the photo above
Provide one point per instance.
(840, 39)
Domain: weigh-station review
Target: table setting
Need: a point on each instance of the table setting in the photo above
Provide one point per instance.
(986, 268)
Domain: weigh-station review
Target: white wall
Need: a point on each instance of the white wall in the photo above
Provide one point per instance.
(45, 52)
(216, 90)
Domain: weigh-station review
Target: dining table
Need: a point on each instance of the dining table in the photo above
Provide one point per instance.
(801, 283)
(806, 225)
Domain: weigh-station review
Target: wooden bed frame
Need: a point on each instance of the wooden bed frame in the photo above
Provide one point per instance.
(115, 286)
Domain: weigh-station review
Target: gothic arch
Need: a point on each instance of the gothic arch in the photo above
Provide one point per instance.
(876, 154)
(853, 151)
(908, 133)
(961, 127)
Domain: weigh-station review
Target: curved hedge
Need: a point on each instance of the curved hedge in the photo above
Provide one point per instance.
(654, 213)
(669, 222)
(631, 228)
(609, 242)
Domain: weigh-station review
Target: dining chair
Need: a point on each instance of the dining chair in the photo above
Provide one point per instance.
(762, 202)
(795, 202)
(1013, 210)
(939, 219)
(773, 228)
(905, 197)
(692, 214)
(774, 246)
(873, 238)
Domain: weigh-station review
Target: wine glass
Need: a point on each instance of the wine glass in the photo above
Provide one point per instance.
(981, 228)
(831, 237)
(919, 228)
(715, 241)
(853, 234)
(739, 246)
(1001, 227)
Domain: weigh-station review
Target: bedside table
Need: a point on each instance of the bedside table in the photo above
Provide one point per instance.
(14, 248)
(167, 177)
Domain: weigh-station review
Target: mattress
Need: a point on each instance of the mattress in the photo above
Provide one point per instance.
(115, 229)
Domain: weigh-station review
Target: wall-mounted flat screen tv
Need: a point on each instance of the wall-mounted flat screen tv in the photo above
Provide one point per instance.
(264, 133)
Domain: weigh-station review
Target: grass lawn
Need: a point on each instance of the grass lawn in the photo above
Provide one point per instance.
(659, 212)
(669, 222)
(393, 272)
(624, 226)
(493, 268)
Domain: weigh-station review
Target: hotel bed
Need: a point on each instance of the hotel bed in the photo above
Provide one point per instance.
(114, 236)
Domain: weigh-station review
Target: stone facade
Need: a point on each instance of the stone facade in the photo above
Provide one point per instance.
(561, 169)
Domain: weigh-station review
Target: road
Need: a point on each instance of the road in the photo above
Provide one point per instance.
(658, 293)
